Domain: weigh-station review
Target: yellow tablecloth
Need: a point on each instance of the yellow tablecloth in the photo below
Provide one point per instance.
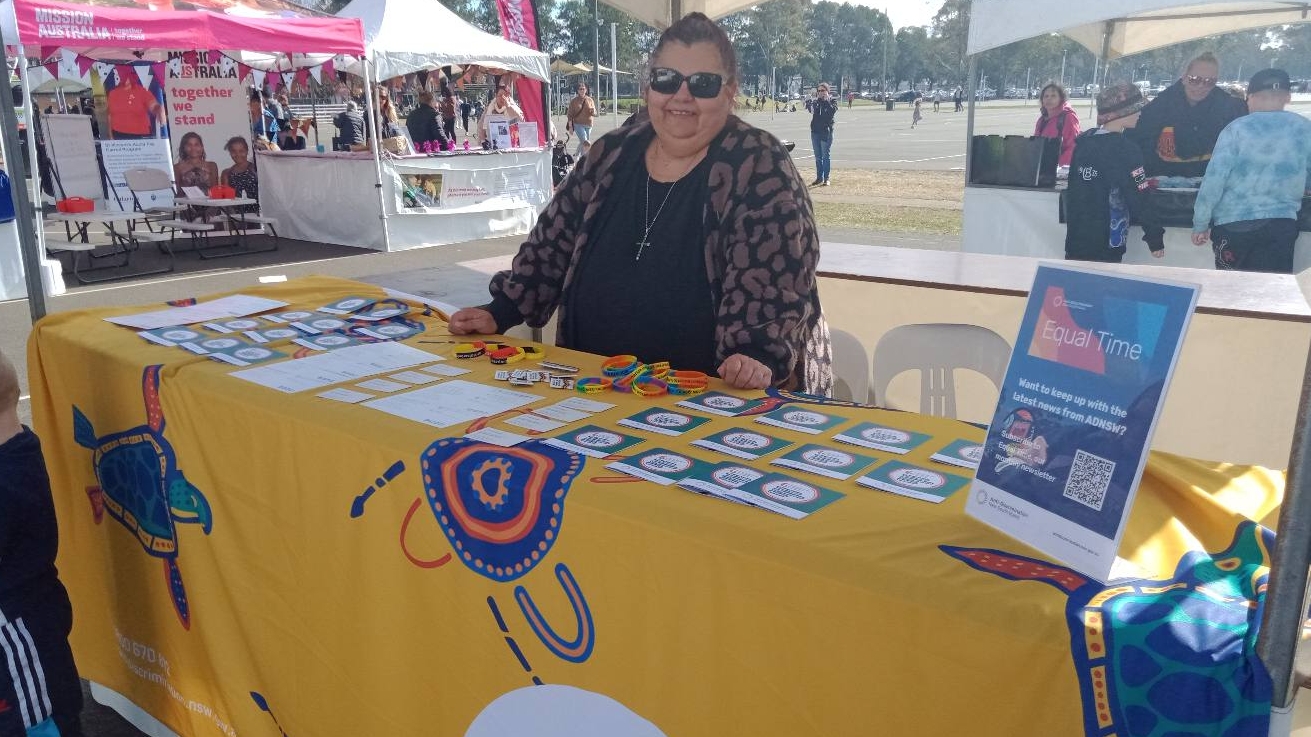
(703, 617)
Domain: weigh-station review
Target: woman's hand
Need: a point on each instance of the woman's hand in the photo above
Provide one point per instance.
(741, 372)
(473, 321)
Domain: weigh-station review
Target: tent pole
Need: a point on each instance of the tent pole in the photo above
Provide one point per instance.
(30, 247)
(377, 157)
(1106, 56)
(614, 73)
(969, 117)
(1281, 620)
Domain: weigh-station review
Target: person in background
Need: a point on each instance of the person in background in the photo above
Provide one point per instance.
(918, 114)
(1260, 170)
(448, 108)
(957, 97)
(851, 98)
(1179, 127)
(578, 118)
(193, 168)
(241, 176)
(388, 122)
(350, 128)
(937, 99)
(1058, 120)
(502, 107)
(278, 110)
(821, 132)
(685, 236)
(1107, 182)
(39, 690)
(423, 123)
(293, 138)
(466, 108)
(263, 124)
(133, 109)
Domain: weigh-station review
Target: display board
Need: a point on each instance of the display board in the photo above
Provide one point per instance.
(72, 151)
(207, 114)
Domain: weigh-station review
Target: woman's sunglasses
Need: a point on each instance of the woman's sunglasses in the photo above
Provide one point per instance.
(1193, 79)
(705, 85)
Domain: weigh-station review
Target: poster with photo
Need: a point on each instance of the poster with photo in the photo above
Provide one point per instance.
(129, 102)
(208, 113)
(146, 153)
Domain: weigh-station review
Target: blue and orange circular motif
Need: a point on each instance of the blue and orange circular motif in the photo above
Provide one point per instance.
(501, 508)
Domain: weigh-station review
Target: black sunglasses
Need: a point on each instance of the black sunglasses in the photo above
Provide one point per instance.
(705, 85)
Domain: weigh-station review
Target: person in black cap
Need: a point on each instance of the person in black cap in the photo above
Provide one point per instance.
(1248, 204)
(1107, 182)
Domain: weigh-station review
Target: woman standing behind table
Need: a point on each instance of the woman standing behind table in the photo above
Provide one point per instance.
(502, 107)
(1058, 120)
(687, 237)
(193, 169)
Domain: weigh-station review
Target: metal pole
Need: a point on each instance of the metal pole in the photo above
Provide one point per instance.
(1027, 85)
(377, 157)
(1281, 620)
(883, 85)
(28, 245)
(1063, 53)
(614, 74)
(969, 117)
(596, 55)
(773, 88)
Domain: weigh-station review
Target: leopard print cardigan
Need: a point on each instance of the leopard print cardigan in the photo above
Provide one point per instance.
(762, 249)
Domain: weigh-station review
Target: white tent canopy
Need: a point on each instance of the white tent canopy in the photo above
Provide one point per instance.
(407, 36)
(1130, 26)
(658, 13)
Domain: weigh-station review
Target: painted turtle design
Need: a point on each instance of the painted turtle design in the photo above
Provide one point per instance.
(143, 488)
(1172, 657)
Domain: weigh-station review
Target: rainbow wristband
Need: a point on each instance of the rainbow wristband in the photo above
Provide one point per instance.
(649, 386)
(615, 366)
(593, 385)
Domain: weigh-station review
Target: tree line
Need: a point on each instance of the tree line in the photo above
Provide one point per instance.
(855, 47)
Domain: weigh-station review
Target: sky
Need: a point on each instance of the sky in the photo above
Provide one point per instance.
(905, 12)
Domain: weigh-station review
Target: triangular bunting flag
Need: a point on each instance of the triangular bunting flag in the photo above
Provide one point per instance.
(243, 71)
(257, 77)
(157, 70)
(316, 72)
(143, 73)
(302, 76)
(226, 65)
(175, 67)
(121, 73)
(48, 51)
(52, 67)
(190, 58)
(84, 64)
(329, 70)
(287, 78)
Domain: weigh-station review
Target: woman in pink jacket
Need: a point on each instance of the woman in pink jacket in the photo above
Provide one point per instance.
(1058, 120)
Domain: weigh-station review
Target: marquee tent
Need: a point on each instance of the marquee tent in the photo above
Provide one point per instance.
(1115, 28)
(662, 14)
(407, 36)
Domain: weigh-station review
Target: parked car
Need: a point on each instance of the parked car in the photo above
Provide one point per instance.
(909, 96)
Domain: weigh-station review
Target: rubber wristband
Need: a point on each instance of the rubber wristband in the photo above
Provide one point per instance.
(593, 385)
(649, 386)
(533, 353)
(686, 391)
(659, 369)
(508, 354)
(618, 365)
(470, 350)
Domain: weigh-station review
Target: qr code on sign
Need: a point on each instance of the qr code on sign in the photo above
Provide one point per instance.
(1090, 476)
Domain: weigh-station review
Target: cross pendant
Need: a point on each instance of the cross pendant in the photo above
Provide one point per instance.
(641, 246)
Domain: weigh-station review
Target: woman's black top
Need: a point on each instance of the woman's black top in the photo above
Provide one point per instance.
(658, 307)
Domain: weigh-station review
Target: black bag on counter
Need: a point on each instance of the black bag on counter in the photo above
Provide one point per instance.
(1029, 161)
(985, 159)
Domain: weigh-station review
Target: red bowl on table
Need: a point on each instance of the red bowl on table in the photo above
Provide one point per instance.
(220, 192)
(75, 204)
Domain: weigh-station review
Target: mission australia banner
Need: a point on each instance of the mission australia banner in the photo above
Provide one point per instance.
(208, 113)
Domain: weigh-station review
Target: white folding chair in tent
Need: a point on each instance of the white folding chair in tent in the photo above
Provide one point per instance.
(850, 367)
(937, 350)
(146, 185)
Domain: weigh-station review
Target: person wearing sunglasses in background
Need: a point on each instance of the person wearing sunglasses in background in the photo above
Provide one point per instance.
(685, 236)
(1178, 129)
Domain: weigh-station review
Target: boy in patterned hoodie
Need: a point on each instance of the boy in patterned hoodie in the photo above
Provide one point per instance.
(1249, 200)
(40, 695)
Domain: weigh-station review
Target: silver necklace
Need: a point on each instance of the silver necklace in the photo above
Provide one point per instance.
(648, 221)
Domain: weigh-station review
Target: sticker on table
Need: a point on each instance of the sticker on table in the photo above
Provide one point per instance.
(594, 441)
(963, 453)
(583, 404)
(716, 480)
(913, 481)
(830, 462)
(383, 385)
(213, 345)
(318, 325)
(171, 337)
(246, 355)
(659, 466)
(719, 403)
(327, 342)
(398, 330)
(385, 310)
(785, 495)
(663, 421)
(414, 377)
(445, 369)
(882, 437)
(345, 395)
(233, 326)
(270, 335)
(535, 423)
(560, 413)
(347, 306)
(286, 317)
(740, 443)
(801, 420)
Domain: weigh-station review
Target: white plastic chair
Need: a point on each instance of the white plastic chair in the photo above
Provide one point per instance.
(850, 367)
(936, 350)
(146, 181)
